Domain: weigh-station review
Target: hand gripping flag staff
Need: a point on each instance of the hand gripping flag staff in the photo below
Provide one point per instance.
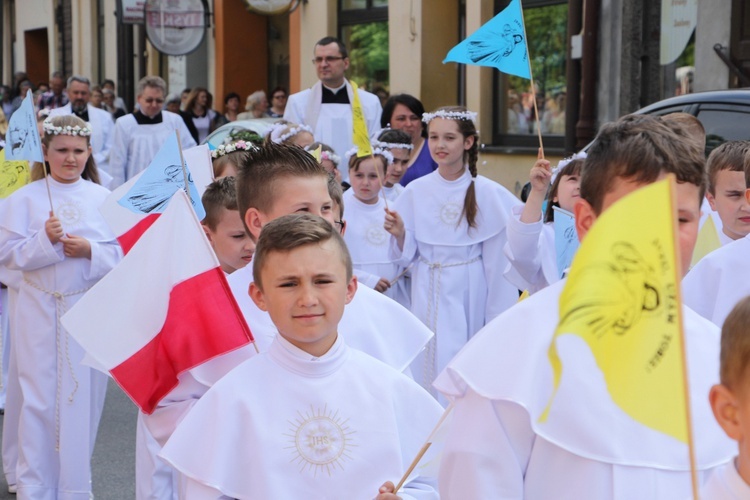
(500, 43)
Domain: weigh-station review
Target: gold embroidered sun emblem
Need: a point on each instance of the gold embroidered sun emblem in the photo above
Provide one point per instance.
(320, 440)
(70, 213)
(449, 213)
(376, 235)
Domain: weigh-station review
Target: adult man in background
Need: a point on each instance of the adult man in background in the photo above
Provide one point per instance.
(327, 106)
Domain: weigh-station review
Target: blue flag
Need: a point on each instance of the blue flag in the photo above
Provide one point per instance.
(22, 141)
(566, 239)
(161, 179)
(500, 43)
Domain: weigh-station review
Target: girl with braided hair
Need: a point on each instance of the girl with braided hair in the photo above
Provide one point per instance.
(451, 224)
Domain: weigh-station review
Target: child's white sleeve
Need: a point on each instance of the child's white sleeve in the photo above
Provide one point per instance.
(403, 257)
(524, 252)
(487, 449)
(26, 253)
(105, 255)
(367, 279)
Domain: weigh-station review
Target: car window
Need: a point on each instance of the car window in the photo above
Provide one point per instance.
(724, 123)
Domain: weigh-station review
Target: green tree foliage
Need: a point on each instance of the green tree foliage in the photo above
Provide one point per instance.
(546, 31)
(368, 54)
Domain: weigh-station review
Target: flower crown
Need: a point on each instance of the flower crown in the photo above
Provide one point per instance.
(291, 130)
(225, 149)
(76, 130)
(564, 163)
(388, 145)
(376, 150)
(332, 157)
(449, 115)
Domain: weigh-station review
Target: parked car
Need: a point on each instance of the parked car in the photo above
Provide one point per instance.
(725, 114)
(248, 130)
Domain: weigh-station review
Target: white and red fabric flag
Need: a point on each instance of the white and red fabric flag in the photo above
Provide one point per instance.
(133, 207)
(166, 308)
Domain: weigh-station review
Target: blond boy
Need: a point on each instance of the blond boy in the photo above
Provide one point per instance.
(223, 226)
(335, 422)
(730, 401)
(502, 380)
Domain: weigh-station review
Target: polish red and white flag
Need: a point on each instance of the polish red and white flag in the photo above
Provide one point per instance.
(164, 309)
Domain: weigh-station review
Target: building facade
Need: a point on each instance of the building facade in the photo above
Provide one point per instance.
(592, 61)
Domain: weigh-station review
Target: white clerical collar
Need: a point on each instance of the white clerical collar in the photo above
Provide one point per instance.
(306, 356)
(336, 90)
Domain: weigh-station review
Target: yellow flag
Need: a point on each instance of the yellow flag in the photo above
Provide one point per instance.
(707, 242)
(14, 174)
(317, 153)
(359, 134)
(622, 297)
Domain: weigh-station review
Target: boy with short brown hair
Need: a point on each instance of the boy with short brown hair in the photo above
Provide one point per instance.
(224, 227)
(730, 401)
(335, 420)
(726, 166)
(501, 381)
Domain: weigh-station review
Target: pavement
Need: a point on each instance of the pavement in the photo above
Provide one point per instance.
(113, 464)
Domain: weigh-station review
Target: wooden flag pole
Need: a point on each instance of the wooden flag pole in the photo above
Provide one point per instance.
(533, 87)
(401, 274)
(683, 350)
(424, 448)
(182, 162)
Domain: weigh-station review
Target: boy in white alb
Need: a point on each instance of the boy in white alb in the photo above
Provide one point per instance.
(274, 181)
(502, 380)
(335, 423)
(730, 401)
(719, 280)
(223, 225)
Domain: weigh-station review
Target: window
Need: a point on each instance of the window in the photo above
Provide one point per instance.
(514, 121)
(363, 27)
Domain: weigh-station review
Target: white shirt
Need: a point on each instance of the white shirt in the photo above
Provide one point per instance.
(725, 483)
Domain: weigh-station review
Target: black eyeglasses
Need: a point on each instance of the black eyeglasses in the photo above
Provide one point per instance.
(150, 100)
(280, 96)
(328, 59)
(340, 224)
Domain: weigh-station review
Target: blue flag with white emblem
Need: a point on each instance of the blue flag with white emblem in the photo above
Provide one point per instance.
(161, 179)
(500, 43)
(22, 141)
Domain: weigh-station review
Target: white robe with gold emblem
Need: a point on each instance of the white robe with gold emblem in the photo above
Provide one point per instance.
(334, 427)
(457, 278)
(62, 399)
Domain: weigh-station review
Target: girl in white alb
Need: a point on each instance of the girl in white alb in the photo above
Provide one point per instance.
(365, 237)
(531, 248)
(453, 222)
(62, 253)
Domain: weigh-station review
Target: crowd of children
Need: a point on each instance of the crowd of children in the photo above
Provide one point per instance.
(373, 307)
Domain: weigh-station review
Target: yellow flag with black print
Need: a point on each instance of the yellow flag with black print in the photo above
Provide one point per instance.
(622, 297)
(360, 136)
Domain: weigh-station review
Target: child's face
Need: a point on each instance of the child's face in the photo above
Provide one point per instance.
(729, 200)
(292, 195)
(365, 180)
(230, 241)
(447, 144)
(568, 192)
(67, 156)
(305, 291)
(397, 170)
(688, 213)
(303, 139)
